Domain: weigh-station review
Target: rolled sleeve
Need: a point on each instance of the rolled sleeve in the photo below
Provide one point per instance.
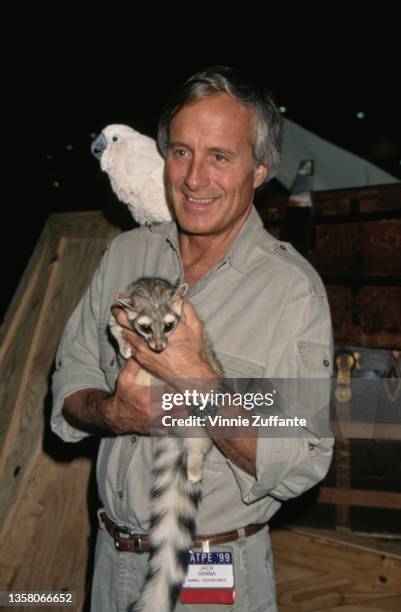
(285, 468)
(288, 466)
(77, 358)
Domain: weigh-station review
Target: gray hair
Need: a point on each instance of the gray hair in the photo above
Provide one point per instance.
(215, 79)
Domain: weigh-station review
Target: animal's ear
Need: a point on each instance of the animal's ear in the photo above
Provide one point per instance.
(178, 297)
(124, 303)
(181, 291)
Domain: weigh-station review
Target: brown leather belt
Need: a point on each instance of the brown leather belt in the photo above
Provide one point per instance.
(127, 541)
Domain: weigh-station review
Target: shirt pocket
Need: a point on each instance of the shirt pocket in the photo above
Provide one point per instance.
(314, 359)
(313, 385)
(237, 367)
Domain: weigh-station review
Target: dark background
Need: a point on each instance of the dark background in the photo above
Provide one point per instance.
(70, 68)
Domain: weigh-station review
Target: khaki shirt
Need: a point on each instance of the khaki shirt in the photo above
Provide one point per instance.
(266, 311)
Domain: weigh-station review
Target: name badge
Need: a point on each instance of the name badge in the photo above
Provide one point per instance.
(210, 579)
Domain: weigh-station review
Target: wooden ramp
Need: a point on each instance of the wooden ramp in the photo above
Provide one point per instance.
(44, 483)
(318, 570)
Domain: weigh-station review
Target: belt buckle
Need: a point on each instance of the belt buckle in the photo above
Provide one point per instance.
(123, 532)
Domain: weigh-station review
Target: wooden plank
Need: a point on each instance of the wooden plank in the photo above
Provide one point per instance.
(345, 574)
(67, 281)
(18, 340)
(25, 286)
(288, 571)
(86, 224)
(53, 512)
(34, 488)
(390, 546)
(333, 593)
(366, 316)
(382, 572)
(386, 604)
(358, 497)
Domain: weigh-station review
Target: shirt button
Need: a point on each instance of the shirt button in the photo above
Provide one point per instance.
(133, 439)
(120, 494)
(283, 247)
(112, 361)
(326, 363)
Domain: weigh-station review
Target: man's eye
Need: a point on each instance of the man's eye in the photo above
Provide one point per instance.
(168, 326)
(179, 152)
(220, 157)
(146, 329)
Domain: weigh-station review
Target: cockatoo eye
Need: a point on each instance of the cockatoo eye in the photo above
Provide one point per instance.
(115, 138)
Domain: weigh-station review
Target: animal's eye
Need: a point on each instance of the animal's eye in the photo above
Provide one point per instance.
(146, 328)
(168, 326)
(115, 138)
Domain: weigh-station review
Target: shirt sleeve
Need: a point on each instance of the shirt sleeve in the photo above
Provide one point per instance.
(77, 363)
(289, 466)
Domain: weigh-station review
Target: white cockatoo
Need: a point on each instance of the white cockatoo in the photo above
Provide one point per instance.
(135, 169)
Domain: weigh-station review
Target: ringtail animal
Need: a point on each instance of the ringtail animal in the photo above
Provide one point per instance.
(154, 309)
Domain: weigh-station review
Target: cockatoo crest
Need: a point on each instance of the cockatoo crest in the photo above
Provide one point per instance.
(135, 169)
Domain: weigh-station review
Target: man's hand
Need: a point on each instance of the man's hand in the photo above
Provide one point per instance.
(128, 410)
(181, 359)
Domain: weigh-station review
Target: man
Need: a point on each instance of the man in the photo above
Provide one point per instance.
(265, 310)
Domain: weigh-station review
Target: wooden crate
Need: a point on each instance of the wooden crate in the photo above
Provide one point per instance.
(355, 244)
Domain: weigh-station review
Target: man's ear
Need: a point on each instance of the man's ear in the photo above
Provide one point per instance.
(260, 175)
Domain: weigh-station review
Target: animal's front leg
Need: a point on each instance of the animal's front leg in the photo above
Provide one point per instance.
(117, 332)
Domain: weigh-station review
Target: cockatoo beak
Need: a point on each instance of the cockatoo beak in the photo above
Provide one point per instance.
(98, 146)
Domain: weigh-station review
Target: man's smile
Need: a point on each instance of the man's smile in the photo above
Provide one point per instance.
(197, 203)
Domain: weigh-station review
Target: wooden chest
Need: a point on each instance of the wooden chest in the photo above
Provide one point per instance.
(354, 241)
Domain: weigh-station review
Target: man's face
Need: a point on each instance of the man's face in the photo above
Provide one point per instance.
(210, 172)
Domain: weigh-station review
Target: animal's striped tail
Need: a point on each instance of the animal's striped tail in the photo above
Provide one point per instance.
(174, 506)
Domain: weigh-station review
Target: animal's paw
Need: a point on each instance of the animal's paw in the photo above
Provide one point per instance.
(125, 350)
(194, 468)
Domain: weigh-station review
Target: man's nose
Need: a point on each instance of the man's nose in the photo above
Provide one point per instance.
(197, 174)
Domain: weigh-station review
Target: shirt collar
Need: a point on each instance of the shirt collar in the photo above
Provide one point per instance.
(245, 241)
(238, 254)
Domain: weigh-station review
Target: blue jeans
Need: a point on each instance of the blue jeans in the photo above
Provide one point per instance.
(118, 576)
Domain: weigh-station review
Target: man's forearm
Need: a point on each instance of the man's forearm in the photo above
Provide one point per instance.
(84, 410)
(96, 411)
(240, 450)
